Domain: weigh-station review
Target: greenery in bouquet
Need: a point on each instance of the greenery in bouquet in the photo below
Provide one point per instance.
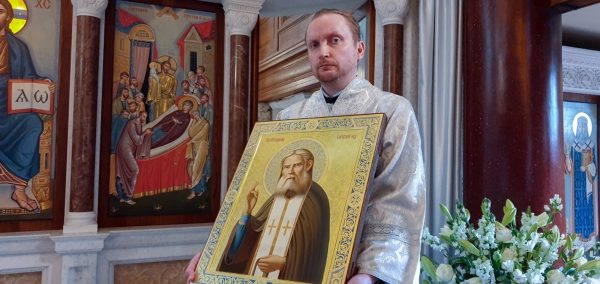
(503, 252)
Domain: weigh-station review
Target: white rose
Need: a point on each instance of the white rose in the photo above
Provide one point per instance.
(555, 276)
(446, 231)
(503, 235)
(509, 254)
(444, 273)
(474, 280)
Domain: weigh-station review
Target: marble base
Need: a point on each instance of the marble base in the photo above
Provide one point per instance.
(80, 223)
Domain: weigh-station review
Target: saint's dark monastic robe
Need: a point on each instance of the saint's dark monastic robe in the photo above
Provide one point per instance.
(307, 252)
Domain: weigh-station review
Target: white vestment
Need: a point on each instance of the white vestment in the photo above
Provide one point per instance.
(391, 240)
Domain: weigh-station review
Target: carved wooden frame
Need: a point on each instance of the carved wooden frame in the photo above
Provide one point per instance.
(104, 218)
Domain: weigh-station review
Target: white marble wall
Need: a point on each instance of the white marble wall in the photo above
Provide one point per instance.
(91, 258)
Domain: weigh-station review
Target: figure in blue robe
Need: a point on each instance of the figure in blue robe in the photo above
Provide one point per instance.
(20, 133)
(584, 172)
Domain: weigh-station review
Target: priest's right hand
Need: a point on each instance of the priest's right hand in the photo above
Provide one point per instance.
(251, 199)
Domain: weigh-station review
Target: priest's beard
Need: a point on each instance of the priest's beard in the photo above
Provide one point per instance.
(291, 184)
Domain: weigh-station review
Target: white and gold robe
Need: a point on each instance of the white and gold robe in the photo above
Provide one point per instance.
(391, 240)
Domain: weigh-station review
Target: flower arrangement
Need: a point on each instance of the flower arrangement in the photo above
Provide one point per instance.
(503, 252)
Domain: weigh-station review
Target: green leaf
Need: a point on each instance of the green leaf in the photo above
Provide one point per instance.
(510, 211)
(508, 206)
(446, 239)
(468, 246)
(446, 212)
(578, 253)
(590, 265)
(569, 243)
(533, 228)
(428, 267)
(485, 206)
(497, 259)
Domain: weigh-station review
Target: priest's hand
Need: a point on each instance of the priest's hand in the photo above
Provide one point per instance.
(190, 270)
(270, 263)
(362, 279)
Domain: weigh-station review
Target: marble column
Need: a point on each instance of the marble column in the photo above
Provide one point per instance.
(513, 104)
(240, 19)
(84, 95)
(393, 14)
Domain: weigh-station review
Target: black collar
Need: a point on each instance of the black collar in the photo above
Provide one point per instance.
(330, 100)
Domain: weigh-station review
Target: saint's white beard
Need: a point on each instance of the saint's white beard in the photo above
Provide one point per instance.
(291, 184)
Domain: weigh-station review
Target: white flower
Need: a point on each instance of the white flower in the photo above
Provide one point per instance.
(485, 271)
(503, 234)
(446, 231)
(508, 265)
(519, 277)
(555, 277)
(529, 245)
(509, 254)
(444, 273)
(534, 275)
(474, 280)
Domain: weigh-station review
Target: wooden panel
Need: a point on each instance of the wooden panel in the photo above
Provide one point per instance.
(268, 30)
(292, 33)
(290, 76)
(284, 70)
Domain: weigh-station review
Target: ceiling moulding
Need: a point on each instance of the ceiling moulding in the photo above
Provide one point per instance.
(581, 71)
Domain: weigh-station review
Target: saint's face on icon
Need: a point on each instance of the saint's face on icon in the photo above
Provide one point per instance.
(296, 175)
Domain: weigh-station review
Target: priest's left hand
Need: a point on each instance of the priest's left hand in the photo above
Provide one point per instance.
(270, 263)
(362, 279)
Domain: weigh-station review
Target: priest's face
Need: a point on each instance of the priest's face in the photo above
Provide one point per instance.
(333, 52)
(296, 175)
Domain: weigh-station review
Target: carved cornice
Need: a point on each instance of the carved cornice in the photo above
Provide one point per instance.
(392, 11)
(581, 71)
(241, 15)
(94, 8)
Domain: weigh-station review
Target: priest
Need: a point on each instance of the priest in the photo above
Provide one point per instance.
(389, 249)
(390, 245)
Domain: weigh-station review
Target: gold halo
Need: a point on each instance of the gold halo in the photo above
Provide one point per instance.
(172, 62)
(21, 15)
(184, 98)
(274, 166)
